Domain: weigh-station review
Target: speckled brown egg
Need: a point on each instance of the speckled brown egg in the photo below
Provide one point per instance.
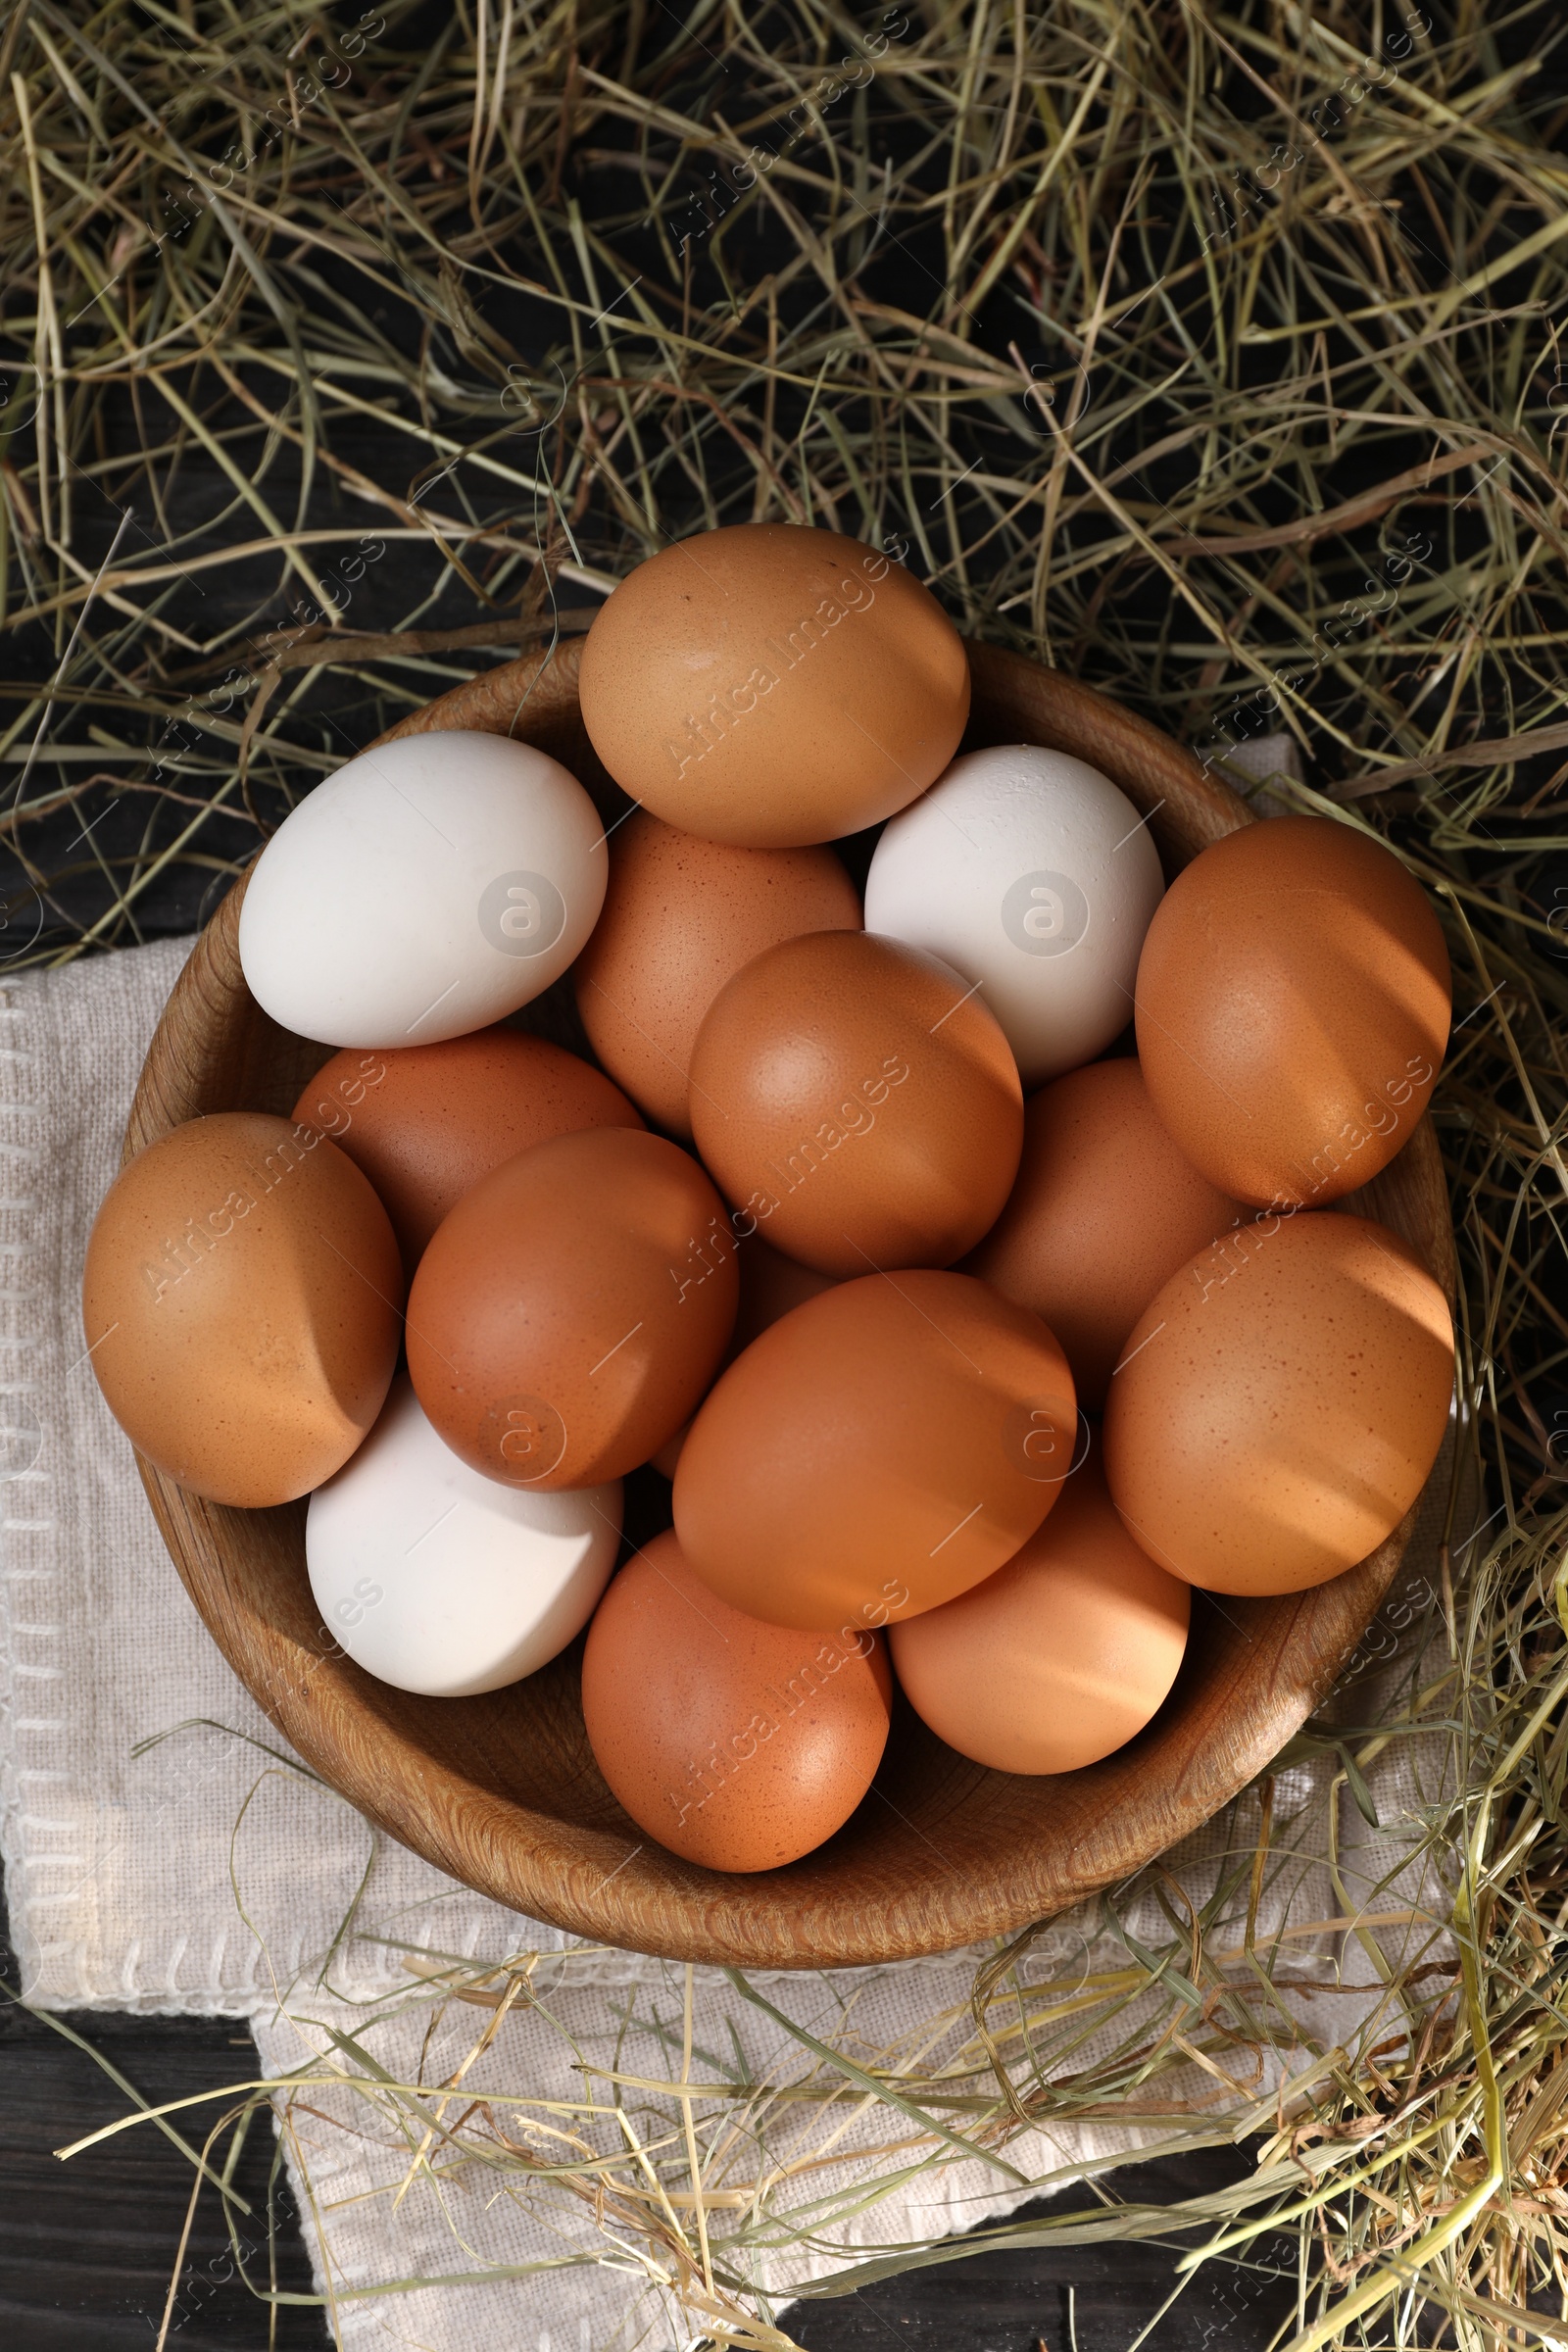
(1281, 1403)
(572, 1308)
(241, 1305)
(1294, 997)
(682, 915)
(773, 685)
(425, 1122)
(876, 1451)
(1104, 1210)
(1061, 1656)
(854, 1098)
(737, 1744)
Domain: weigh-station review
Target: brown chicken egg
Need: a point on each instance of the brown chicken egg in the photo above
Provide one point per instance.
(241, 1305)
(1104, 1210)
(1294, 999)
(425, 1122)
(853, 1097)
(876, 1451)
(682, 915)
(773, 685)
(572, 1308)
(737, 1744)
(1060, 1657)
(1280, 1404)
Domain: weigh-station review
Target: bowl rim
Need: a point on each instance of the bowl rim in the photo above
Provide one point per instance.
(1265, 1666)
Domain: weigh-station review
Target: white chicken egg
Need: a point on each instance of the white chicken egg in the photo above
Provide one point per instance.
(428, 888)
(1030, 874)
(436, 1579)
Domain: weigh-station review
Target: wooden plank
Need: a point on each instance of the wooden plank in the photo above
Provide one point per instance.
(87, 2249)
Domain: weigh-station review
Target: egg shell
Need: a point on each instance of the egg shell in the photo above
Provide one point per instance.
(1060, 1657)
(773, 685)
(572, 1308)
(1293, 999)
(1105, 1211)
(1281, 1403)
(1028, 871)
(430, 887)
(737, 1744)
(438, 1580)
(425, 1124)
(771, 1286)
(241, 1304)
(875, 1452)
(854, 1097)
(681, 916)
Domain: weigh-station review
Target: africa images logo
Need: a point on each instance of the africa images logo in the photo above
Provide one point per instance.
(522, 913)
(530, 1437)
(1045, 913)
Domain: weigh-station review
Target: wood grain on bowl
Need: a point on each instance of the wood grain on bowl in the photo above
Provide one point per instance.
(502, 1791)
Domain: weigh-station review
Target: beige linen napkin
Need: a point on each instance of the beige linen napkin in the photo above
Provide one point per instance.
(126, 1875)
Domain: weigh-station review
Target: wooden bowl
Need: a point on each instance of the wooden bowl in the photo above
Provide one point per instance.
(502, 1791)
